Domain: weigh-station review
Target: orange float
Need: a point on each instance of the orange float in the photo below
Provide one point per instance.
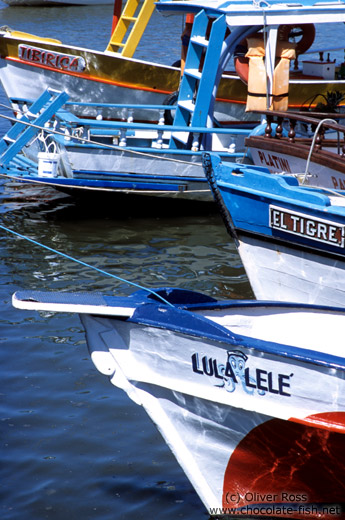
(285, 33)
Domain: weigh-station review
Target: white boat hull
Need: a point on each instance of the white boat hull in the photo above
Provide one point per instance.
(278, 272)
(100, 77)
(39, 80)
(244, 393)
(226, 435)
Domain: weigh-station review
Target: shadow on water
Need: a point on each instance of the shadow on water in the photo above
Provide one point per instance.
(122, 206)
(85, 204)
(150, 242)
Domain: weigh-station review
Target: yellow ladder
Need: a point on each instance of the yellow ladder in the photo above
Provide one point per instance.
(135, 22)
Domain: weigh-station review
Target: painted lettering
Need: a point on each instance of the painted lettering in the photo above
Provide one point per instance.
(195, 364)
(74, 64)
(311, 230)
(51, 59)
(295, 219)
(274, 162)
(235, 374)
(261, 379)
(322, 231)
(261, 157)
(216, 370)
(285, 165)
(271, 389)
(207, 366)
(247, 379)
(282, 224)
(23, 51)
(283, 384)
(229, 372)
(335, 182)
(35, 55)
(332, 234)
(64, 62)
(307, 226)
(275, 218)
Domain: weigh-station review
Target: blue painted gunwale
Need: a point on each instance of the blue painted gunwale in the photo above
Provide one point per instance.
(180, 318)
(188, 323)
(248, 191)
(239, 10)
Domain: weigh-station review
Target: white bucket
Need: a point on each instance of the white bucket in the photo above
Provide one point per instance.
(47, 164)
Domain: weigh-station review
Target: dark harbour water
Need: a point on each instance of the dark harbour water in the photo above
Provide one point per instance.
(72, 445)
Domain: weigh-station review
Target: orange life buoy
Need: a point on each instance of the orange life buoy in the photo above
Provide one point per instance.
(242, 67)
(305, 30)
(285, 32)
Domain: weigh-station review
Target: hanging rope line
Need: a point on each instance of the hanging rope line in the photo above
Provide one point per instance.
(80, 262)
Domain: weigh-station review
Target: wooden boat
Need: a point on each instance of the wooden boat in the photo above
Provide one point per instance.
(214, 40)
(30, 64)
(59, 149)
(245, 393)
(309, 146)
(291, 237)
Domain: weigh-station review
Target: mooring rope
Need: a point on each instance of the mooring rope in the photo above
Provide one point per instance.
(80, 262)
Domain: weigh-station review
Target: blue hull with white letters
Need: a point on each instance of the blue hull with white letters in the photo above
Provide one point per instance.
(291, 238)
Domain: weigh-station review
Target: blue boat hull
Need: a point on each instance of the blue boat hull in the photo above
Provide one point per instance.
(290, 238)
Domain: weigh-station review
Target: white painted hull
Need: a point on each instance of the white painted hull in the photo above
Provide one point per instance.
(244, 393)
(280, 273)
(162, 168)
(131, 161)
(39, 80)
(84, 90)
(147, 163)
(222, 433)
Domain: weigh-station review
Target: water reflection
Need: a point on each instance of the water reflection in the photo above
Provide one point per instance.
(72, 446)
